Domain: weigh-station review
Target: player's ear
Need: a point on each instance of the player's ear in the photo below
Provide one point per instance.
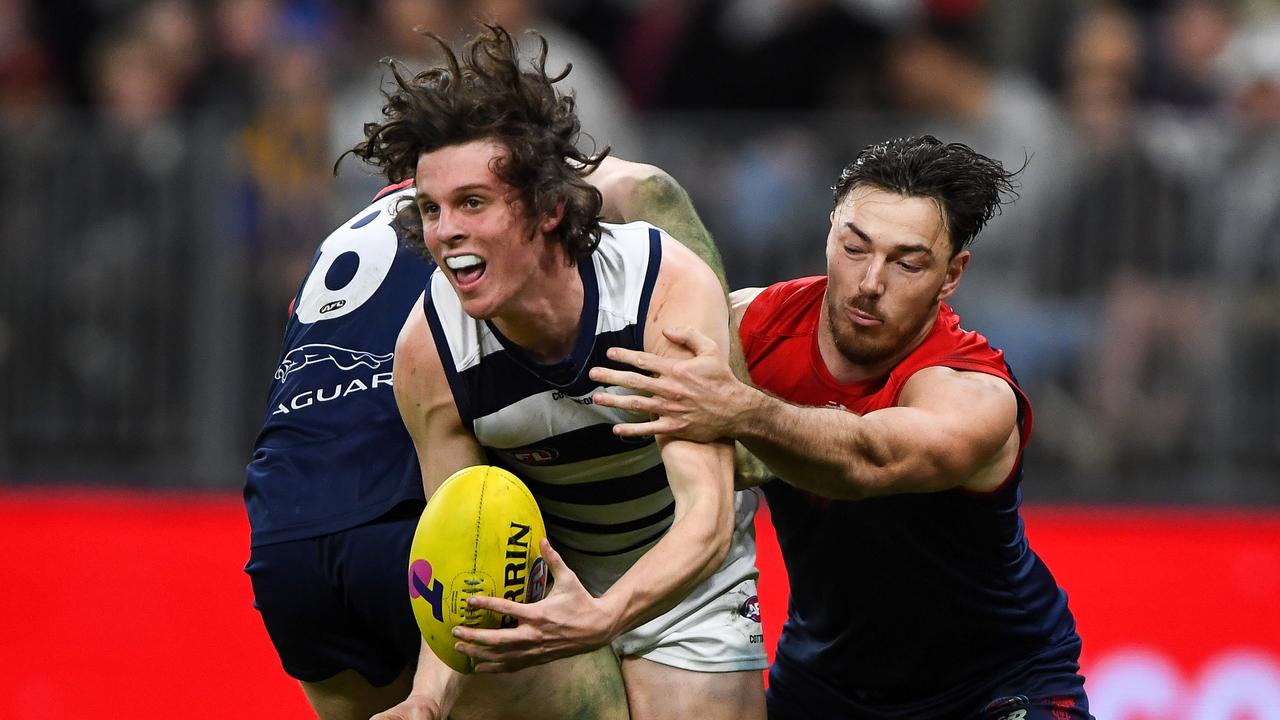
(955, 268)
(552, 220)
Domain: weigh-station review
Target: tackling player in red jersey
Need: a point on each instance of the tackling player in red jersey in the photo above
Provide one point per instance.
(896, 438)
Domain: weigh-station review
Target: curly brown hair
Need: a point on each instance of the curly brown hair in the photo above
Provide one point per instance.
(484, 93)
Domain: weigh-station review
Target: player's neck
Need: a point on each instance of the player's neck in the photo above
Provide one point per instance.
(544, 320)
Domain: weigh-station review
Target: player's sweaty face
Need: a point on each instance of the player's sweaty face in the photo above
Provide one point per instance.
(887, 259)
(474, 226)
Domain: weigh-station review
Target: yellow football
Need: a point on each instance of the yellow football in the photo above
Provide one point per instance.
(479, 535)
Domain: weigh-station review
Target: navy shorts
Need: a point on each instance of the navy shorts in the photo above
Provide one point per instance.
(341, 601)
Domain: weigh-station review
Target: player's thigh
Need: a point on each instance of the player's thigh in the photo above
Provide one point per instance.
(586, 687)
(349, 696)
(663, 692)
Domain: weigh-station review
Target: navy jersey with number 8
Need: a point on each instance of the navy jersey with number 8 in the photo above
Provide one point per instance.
(333, 453)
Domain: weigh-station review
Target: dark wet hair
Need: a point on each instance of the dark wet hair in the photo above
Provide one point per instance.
(968, 186)
(484, 93)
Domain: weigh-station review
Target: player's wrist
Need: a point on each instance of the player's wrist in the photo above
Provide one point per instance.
(611, 615)
(748, 406)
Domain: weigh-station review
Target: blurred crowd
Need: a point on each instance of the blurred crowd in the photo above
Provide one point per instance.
(1134, 283)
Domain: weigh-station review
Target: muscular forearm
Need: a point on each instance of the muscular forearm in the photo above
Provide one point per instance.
(827, 451)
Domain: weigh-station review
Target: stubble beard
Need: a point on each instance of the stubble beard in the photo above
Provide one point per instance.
(859, 347)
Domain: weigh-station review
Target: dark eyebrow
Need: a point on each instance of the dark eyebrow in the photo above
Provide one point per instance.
(901, 249)
(858, 231)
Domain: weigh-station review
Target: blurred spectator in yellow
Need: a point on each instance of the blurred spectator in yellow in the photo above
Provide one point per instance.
(287, 149)
(287, 196)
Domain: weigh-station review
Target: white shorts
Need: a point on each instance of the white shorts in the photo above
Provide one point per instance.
(717, 627)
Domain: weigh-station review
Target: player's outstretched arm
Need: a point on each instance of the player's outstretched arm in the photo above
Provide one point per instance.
(951, 428)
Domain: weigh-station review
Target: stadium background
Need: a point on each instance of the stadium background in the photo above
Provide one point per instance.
(166, 172)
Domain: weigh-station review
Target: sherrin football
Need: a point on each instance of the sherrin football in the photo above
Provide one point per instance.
(479, 535)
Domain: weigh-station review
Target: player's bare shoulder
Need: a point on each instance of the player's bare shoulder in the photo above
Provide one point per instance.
(681, 265)
(687, 292)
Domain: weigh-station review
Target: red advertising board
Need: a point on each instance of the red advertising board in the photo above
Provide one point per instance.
(134, 605)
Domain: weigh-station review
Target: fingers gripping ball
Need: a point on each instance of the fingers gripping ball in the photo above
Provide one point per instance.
(479, 535)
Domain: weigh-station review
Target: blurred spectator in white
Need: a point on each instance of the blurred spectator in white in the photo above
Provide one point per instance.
(1242, 211)
(601, 104)
(1118, 268)
(1245, 198)
(391, 32)
(940, 77)
(1189, 37)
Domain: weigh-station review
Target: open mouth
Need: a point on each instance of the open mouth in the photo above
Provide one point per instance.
(467, 269)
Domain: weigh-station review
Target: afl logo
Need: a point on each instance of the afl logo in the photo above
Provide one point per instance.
(331, 306)
(750, 608)
(535, 456)
(537, 586)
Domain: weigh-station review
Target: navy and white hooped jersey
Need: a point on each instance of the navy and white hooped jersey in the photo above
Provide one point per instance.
(333, 452)
(605, 499)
